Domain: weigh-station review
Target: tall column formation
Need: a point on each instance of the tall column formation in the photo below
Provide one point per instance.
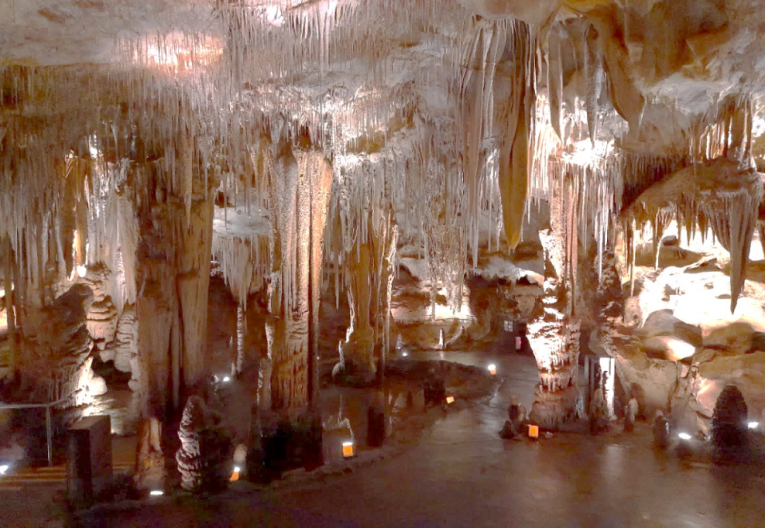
(369, 268)
(300, 186)
(173, 276)
(554, 334)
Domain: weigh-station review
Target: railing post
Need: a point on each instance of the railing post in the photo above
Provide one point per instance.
(49, 434)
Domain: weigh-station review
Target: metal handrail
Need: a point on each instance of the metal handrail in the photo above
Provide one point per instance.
(48, 420)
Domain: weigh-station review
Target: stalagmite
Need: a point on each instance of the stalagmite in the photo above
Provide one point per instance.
(189, 456)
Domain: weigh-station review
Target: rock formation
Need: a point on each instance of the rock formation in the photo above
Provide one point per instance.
(396, 161)
(189, 456)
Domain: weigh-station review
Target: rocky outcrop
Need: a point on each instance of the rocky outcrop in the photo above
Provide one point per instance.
(124, 349)
(57, 363)
(652, 382)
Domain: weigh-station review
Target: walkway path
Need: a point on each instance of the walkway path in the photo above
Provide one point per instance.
(462, 474)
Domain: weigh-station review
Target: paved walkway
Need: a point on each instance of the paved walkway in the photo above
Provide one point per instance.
(462, 474)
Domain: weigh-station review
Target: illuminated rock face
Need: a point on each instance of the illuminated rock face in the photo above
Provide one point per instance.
(56, 345)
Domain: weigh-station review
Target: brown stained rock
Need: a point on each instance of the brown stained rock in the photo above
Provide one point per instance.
(56, 346)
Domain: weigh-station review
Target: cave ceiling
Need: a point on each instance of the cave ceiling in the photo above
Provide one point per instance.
(681, 57)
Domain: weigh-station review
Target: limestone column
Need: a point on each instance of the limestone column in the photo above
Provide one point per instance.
(554, 333)
(300, 186)
(173, 275)
(369, 267)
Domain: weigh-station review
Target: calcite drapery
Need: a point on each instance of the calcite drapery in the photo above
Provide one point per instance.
(497, 99)
(369, 267)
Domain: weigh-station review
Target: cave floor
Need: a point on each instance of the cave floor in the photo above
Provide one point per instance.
(461, 473)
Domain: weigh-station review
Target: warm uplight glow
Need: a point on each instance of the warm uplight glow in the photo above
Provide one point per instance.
(607, 367)
(179, 53)
(684, 436)
(450, 399)
(492, 369)
(82, 271)
(235, 474)
(156, 493)
(348, 450)
(753, 425)
(533, 431)
(443, 311)
(584, 153)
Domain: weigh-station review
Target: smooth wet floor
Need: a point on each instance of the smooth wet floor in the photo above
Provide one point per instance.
(462, 474)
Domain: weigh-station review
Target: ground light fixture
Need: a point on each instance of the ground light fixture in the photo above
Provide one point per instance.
(405, 354)
(492, 369)
(534, 432)
(226, 379)
(449, 400)
(684, 436)
(349, 450)
(753, 425)
(156, 493)
(235, 474)
(4, 469)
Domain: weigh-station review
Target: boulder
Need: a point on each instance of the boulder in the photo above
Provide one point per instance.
(651, 381)
(664, 323)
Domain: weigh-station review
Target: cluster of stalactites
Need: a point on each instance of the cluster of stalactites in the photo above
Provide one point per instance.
(718, 195)
(497, 83)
